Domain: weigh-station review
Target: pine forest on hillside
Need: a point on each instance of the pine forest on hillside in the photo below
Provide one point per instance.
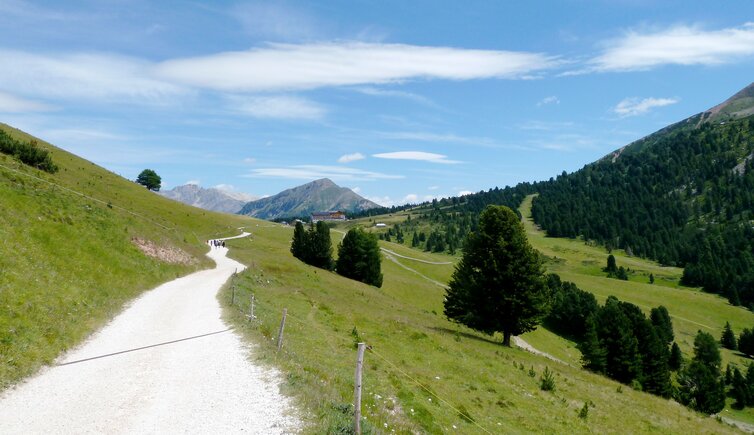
(683, 196)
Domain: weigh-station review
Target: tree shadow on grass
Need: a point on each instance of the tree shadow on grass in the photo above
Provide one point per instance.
(466, 335)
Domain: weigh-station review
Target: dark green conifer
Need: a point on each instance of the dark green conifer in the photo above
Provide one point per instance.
(728, 339)
(676, 358)
(498, 286)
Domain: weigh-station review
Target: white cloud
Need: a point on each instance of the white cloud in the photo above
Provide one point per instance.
(464, 192)
(312, 172)
(83, 76)
(12, 104)
(416, 155)
(279, 107)
(249, 160)
(193, 182)
(384, 201)
(433, 187)
(310, 66)
(411, 198)
(346, 158)
(552, 99)
(679, 45)
(635, 106)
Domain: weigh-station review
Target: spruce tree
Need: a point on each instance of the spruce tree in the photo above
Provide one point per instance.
(676, 358)
(661, 321)
(320, 246)
(498, 286)
(616, 334)
(706, 350)
(701, 385)
(728, 339)
(299, 245)
(746, 342)
(593, 354)
(359, 257)
(750, 384)
(740, 390)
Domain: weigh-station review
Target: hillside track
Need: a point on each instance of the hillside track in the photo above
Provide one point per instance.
(166, 364)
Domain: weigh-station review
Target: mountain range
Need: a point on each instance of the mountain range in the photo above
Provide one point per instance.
(319, 195)
(209, 198)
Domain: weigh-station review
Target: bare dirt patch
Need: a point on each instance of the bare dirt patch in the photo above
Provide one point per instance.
(168, 254)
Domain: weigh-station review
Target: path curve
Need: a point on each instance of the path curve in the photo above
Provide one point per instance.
(439, 263)
(166, 364)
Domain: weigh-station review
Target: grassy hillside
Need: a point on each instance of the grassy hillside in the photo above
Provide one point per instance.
(424, 373)
(69, 262)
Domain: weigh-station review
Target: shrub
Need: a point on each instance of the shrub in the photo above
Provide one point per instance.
(547, 381)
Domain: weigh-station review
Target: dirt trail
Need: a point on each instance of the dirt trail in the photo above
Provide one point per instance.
(439, 263)
(167, 363)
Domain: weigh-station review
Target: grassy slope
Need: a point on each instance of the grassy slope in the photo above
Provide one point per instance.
(404, 324)
(691, 309)
(67, 263)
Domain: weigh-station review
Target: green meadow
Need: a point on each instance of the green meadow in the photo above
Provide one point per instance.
(68, 263)
(423, 373)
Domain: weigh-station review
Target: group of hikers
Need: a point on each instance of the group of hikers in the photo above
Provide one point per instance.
(216, 243)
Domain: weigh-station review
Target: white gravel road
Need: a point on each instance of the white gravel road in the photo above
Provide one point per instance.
(167, 364)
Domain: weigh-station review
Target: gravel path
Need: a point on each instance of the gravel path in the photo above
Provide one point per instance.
(166, 364)
(416, 259)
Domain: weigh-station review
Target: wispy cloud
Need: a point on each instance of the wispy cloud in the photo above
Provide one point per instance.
(416, 155)
(635, 106)
(679, 45)
(351, 157)
(311, 66)
(312, 172)
(83, 76)
(377, 92)
(552, 99)
(420, 136)
(12, 104)
(278, 107)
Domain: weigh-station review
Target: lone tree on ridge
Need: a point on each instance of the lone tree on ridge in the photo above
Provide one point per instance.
(149, 179)
(499, 284)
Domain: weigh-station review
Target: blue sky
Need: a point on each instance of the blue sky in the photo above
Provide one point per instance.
(402, 101)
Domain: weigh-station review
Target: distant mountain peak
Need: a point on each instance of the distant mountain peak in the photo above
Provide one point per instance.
(315, 196)
(208, 198)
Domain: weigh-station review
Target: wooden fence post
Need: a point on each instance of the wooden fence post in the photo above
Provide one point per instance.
(357, 390)
(233, 298)
(251, 309)
(280, 332)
